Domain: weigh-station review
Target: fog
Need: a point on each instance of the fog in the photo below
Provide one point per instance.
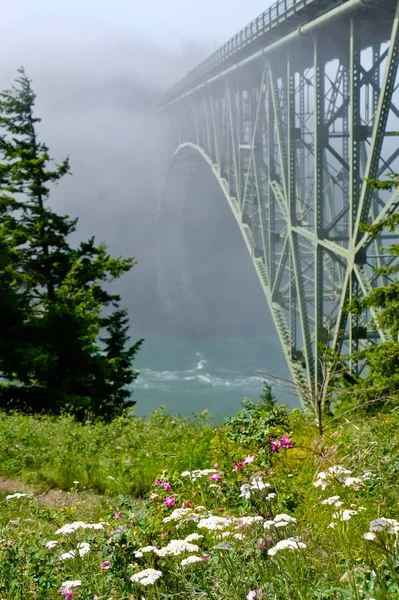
(97, 88)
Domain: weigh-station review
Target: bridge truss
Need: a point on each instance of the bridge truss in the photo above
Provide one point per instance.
(291, 129)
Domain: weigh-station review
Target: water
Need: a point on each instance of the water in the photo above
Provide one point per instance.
(215, 374)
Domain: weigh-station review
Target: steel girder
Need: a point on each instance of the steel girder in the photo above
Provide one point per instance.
(291, 138)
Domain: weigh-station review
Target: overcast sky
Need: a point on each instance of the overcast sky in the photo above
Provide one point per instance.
(168, 23)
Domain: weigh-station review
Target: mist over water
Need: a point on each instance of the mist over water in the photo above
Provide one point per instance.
(207, 327)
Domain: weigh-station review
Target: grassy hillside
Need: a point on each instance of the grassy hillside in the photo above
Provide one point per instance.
(261, 508)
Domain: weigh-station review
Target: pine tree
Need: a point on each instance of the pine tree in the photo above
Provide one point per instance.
(52, 294)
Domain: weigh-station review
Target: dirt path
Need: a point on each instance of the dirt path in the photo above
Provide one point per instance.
(49, 497)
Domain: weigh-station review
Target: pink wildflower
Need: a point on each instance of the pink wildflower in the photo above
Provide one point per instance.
(215, 477)
(238, 466)
(275, 445)
(166, 486)
(157, 482)
(205, 557)
(286, 442)
(335, 434)
(185, 504)
(216, 466)
(248, 459)
(67, 594)
(117, 515)
(17, 446)
(105, 565)
(169, 501)
(153, 496)
(251, 595)
(220, 509)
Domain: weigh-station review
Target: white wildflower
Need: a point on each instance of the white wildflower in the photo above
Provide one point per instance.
(177, 547)
(245, 491)
(198, 473)
(383, 523)
(331, 500)
(284, 517)
(344, 515)
(16, 496)
(190, 560)
(146, 577)
(72, 527)
(353, 482)
(70, 584)
(270, 496)
(51, 544)
(83, 549)
(370, 535)
(139, 553)
(214, 523)
(247, 521)
(192, 517)
(177, 515)
(288, 544)
(268, 524)
(223, 546)
(193, 537)
(331, 526)
(230, 534)
(257, 483)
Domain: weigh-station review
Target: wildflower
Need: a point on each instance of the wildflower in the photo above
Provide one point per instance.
(166, 486)
(190, 560)
(223, 546)
(270, 496)
(205, 557)
(274, 445)
(331, 500)
(284, 517)
(197, 474)
(66, 593)
(331, 526)
(245, 491)
(153, 496)
(344, 515)
(105, 565)
(177, 547)
(238, 466)
(17, 446)
(146, 577)
(117, 515)
(193, 537)
(51, 544)
(72, 527)
(369, 536)
(214, 523)
(144, 550)
(247, 521)
(75, 482)
(185, 504)
(251, 595)
(177, 514)
(169, 501)
(248, 459)
(83, 549)
(382, 523)
(335, 434)
(216, 466)
(286, 442)
(353, 482)
(215, 477)
(72, 584)
(16, 496)
(288, 544)
(257, 483)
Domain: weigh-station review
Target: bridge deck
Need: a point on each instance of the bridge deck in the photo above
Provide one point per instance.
(278, 20)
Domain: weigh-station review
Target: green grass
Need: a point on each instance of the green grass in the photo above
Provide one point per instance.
(124, 456)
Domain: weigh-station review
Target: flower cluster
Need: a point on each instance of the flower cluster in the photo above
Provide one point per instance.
(72, 527)
(281, 520)
(163, 484)
(247, 461)
(340, 474)
(146, 577)
(291, 543)
(17, 495)
(276, 445)
(258, 484)
(198, 473)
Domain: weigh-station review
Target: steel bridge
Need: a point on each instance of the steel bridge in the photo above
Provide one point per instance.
(292, 115)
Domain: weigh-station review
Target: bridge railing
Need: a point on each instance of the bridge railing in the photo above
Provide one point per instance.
(276, 13)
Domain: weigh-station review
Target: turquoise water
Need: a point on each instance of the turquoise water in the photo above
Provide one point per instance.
(215, 374)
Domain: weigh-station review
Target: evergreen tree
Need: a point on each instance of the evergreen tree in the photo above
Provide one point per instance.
(52, 294)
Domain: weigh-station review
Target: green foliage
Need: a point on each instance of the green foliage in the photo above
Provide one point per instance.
(52, 295)
(257, 422)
